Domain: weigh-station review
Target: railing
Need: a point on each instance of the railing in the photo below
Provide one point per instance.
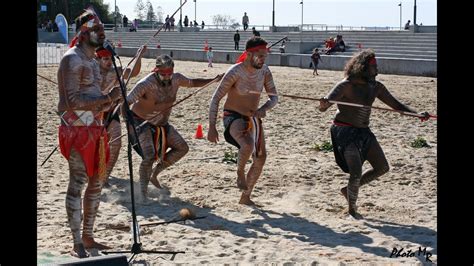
(212, 27)
(324, 27)
(48, 54)
(155, 26)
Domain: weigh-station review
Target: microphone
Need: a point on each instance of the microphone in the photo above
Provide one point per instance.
(110, 48)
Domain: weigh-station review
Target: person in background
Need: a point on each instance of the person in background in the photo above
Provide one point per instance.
(315, 58)
(236, 40)
(210, 55)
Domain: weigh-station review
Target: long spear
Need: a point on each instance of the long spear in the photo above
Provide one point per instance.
(346, 103)
(125, 227)
(149, 39)
(282, 39)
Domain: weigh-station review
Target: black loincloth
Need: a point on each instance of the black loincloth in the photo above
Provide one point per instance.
(159, 138)
(342, 136)
(229, 118)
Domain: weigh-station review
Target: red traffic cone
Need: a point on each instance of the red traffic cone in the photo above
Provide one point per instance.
(199, 134)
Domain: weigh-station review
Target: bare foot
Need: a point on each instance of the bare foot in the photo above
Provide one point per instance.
(155, 182)
(89, 242)
(241, 183)
(144, 197)
(79, 251)
(245, 199)
(106, 183)
(355, 214)
(344, 193)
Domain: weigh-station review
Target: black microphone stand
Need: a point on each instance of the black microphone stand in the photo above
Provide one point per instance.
(129, 120)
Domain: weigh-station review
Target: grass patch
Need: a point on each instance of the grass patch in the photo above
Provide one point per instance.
(419, 142)
(326, 146)
(230, 156)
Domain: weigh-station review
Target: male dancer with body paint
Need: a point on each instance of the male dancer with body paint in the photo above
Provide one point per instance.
(352, 139)
(151, 100)
(82, 136)
(109, 81)
(243, 84)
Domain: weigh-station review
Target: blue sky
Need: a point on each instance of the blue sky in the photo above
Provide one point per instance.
(288, 12)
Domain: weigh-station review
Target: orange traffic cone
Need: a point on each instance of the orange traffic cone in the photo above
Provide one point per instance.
(199, 134)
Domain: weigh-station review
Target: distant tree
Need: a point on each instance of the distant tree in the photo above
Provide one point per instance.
(71, 9)
(221, 20)
(159, 14)
(139, 9)
(150, 14)
(117, 13)
(101, 9)
(234, 25)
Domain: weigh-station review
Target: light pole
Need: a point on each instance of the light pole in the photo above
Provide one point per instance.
(301, 15)
(115, 15)
(195, 19)
(414, 15)
(400, 5)
(180, 22)
(273, 16)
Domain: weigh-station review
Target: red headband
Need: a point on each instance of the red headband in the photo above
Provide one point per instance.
(86, 26)
(243, 56)
(163, 71)
(103, 53)
(372, 61)
(256, 48)
(93, 20)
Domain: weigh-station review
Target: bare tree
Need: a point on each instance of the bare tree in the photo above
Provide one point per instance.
(139, 9)
(118, 14)
(221, 20)
(150, 14)
(159, 14)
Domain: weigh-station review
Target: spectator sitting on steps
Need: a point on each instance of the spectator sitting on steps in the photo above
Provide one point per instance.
(337, 44)
(407, 25)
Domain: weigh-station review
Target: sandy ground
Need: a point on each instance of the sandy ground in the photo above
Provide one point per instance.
(301, 219)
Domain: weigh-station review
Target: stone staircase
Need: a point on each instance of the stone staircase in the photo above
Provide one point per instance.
(390, 44)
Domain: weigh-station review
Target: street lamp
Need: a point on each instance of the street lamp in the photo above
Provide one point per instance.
(180, 23)
(273, 16)
(195, 19)
(414, 15)
(115, 15)
(400, 5)
(301, 15)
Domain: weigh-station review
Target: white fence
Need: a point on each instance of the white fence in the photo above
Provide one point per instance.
(48, 54)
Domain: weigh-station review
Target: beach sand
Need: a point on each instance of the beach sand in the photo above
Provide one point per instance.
(301, 214)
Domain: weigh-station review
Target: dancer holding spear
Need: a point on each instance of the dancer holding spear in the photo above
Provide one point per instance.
(151, 100)
(352, 139)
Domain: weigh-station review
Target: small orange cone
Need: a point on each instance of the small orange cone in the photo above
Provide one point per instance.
(199, 134)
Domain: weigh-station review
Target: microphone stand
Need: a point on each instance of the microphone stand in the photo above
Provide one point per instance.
(129, 120)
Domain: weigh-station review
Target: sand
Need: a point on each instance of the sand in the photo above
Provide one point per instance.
(301, 215)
